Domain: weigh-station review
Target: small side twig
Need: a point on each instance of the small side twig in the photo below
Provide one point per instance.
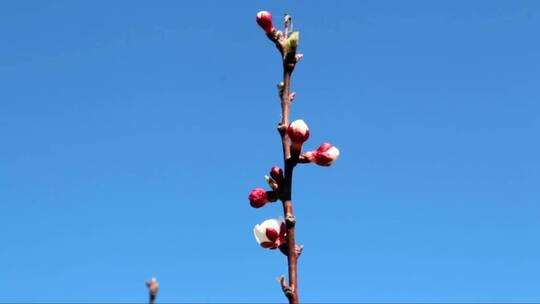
(153, 286)
(287, 290)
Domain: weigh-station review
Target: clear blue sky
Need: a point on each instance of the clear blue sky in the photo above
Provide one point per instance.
(132, 131)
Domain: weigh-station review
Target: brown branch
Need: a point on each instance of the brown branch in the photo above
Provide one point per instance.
(289, 61)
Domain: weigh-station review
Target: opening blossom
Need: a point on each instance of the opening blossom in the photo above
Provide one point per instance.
(264, 19)
(325, 155)
(257, 198)
(270, 233)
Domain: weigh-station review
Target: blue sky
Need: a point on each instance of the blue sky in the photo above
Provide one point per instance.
(132, 131)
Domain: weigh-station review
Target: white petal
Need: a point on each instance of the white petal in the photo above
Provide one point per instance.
(272, 224)
(260, 234)
(260, 230)
(299, 126)
(334, 153)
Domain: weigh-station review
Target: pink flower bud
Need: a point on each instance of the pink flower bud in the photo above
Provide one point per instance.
(277, 174)
(264, 19)
(325, 155)
(257, 198)
(298, 131)
(270, 233)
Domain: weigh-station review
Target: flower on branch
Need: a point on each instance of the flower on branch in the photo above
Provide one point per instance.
(298, 131)
(264, 19)
(270, 233)
(325, 155)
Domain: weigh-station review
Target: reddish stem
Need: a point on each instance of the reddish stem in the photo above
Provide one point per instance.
(291, 292)
(290, 161)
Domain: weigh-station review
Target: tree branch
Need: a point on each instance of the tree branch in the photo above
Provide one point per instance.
(289, 60)
(290, 161)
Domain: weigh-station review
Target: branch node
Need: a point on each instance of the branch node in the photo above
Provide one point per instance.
(290, 220)
(292, 96)
(272, 196)
(299, 249)
(282, 129)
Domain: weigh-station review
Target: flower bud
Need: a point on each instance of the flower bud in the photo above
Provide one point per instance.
(257, 198)
(326, 154)
(277, 174)
(264, 19)
(298, 131)
(270, 233)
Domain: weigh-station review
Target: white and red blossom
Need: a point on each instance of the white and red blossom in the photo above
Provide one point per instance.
(264, 20)
(270, 233)
(257, 197)
(325, 155)
(298, 131)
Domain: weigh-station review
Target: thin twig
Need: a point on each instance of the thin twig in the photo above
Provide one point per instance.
(153, 286)
(289, 61)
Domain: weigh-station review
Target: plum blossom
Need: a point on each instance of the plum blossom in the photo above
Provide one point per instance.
(270, 233)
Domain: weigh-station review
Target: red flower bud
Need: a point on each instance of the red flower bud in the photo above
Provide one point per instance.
(257, 198)
(264, 19)
(298, 131)
(325, 155)
(277, 174)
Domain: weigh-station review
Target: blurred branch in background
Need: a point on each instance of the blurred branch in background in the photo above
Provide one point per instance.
(153, 286)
